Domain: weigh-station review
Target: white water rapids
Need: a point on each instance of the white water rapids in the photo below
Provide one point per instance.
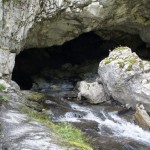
(119, 127)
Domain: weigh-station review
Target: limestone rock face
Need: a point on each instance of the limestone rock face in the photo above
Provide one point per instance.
(126, 78)
(93, 92)
(42, 23)
(7, 61)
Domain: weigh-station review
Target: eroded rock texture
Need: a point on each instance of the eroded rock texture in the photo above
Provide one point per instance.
(126, 78)
(93, 92)
(7, 62)
(41, 23)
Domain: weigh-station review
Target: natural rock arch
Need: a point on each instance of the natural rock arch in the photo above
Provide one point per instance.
(73, 56)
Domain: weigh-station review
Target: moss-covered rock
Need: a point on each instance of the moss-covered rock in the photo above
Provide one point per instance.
(35, 96)
(126, 77)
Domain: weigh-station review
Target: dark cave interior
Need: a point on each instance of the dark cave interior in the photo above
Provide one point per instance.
(88, 46)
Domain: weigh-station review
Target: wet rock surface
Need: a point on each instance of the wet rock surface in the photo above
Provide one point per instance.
(21, 133)
(18, 131)
(100, 123)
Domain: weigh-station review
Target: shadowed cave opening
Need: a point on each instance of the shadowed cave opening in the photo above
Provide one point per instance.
(87, 49)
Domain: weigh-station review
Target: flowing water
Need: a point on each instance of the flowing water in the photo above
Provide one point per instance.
(107, 129)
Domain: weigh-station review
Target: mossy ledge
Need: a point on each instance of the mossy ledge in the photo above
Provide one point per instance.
(124, 61)
(35, 96)
(65, 131)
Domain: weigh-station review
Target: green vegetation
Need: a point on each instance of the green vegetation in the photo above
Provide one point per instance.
(141, 64)
(4, 48)
(119, 49)
(107, 61)
(3, 98)
(121, 64)
(147, 71)
(129, 67)
(35, 96)
(66, 131)
(123, 60)
(132, 60)
(15, 1)
(2, 87)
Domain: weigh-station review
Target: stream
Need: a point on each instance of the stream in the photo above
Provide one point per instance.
(101, 122)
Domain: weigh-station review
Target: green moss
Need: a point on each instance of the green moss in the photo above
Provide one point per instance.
(129, 60)
(129, 67)
(35, 96)
(15, 1)
(2, 87)
(67, 132)
(141, 64)
(3, 98)
(147, 71)
(120, 48)
(132, 60)
(107, 61)
(7, 1)
(4, 48)
(83, 146)
(121, 64)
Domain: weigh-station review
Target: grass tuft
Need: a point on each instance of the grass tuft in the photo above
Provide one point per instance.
(67, 132)
(35, 96)
(3, 98)
(2, 87)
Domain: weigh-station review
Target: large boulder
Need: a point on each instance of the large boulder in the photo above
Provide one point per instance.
(126, 78)
(93, 92)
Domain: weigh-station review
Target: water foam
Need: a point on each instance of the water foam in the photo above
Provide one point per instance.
(118, 126)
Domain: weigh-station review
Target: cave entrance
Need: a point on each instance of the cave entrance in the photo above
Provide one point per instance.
(85, 51)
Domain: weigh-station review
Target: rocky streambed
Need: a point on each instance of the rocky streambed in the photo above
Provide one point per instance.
(102, 123)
